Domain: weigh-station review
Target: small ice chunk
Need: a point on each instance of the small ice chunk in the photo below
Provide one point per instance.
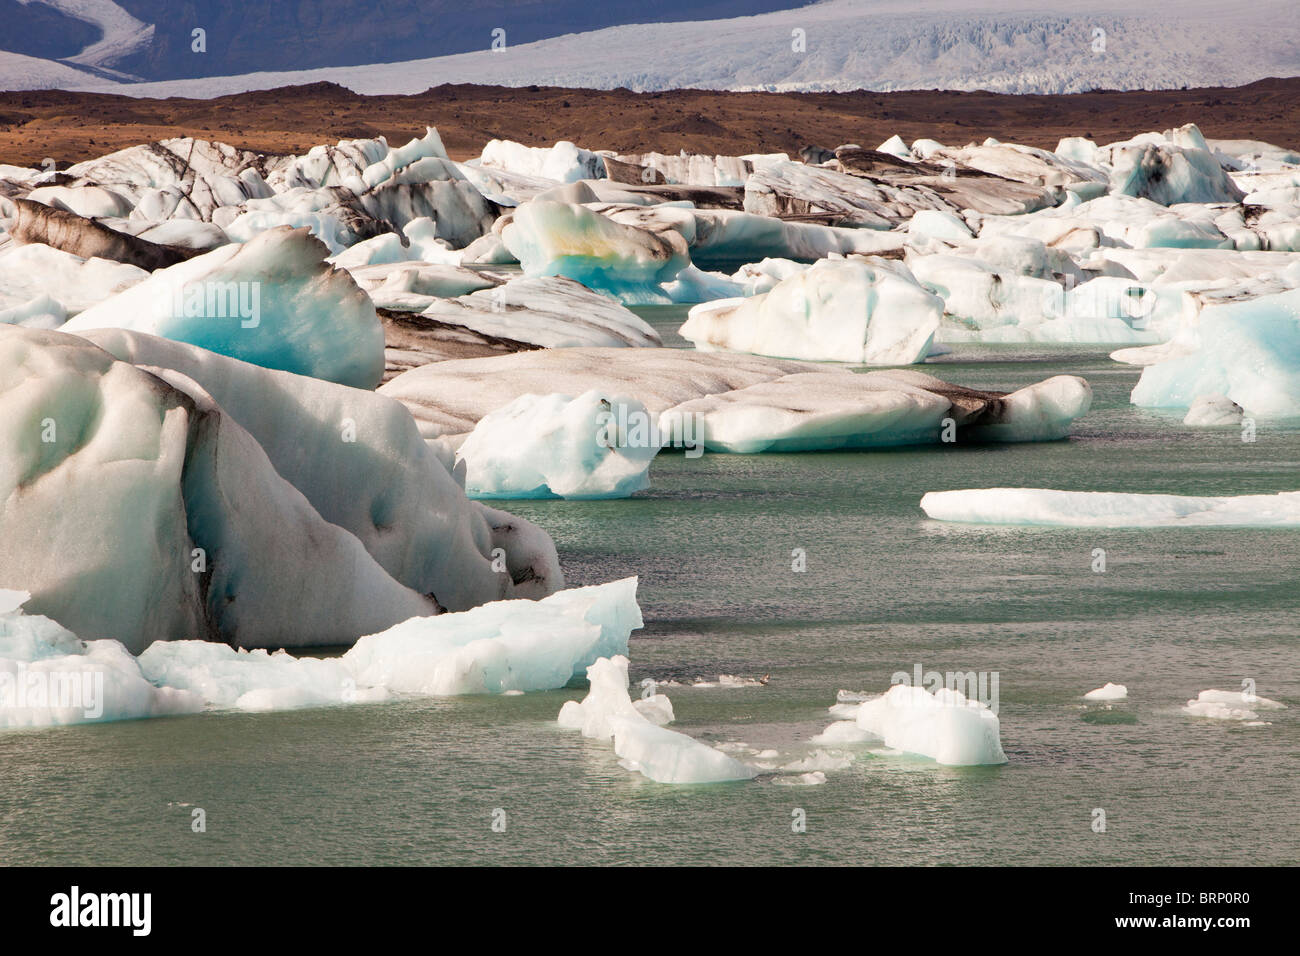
(665, 756)
(1229, 705)
(1212, 411)
(1108, 692)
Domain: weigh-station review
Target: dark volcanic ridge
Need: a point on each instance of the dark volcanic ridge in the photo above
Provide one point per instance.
(69, 127)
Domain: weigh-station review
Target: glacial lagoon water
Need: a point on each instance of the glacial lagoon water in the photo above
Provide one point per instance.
(1176, 611)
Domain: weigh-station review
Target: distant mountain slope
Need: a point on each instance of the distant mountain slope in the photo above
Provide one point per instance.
(1015, 46)
(242, 37)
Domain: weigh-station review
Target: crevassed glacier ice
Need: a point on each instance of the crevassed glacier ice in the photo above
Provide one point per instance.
(1100, 509)
(272, 301)
(665, 756)
(596, 445)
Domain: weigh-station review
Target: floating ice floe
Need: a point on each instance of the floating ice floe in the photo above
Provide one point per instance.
(49, 676)
(272, 301)
(665, 756)
(1229, 705)
(848, 310)
(1107, 692)
(944, 726)
(558, 446)
(826, 410)
(1099, 509)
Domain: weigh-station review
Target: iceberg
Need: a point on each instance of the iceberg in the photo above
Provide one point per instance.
(38, 271)
(564, 162)
(1100, 509)
(1213, 411)
(1229, 705)
(944, 726)
(1247, 352)
(272, 301)
(1107, 692)
(558, 446)
(149, 512)
(662, 755)
(565, 239)
(847, 310)
(548, 312)
(1169, 174)
(826, 410)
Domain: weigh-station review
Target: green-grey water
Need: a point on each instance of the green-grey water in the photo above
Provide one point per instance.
(1176, 611)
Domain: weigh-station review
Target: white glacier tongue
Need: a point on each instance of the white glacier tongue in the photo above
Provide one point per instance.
(944, 725)
(48, 676)
(665, 756)
(273, 301)
(1098, 509)
(545, 446)
(848, 310)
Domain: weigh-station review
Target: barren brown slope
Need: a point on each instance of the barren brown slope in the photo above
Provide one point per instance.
(69, 127)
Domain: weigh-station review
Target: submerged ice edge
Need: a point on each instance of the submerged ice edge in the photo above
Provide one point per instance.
(1101, 509)
(48, 676)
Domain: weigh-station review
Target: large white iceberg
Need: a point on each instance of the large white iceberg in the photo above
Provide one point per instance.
(845, 310)
(665, 756)
(136, 507)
